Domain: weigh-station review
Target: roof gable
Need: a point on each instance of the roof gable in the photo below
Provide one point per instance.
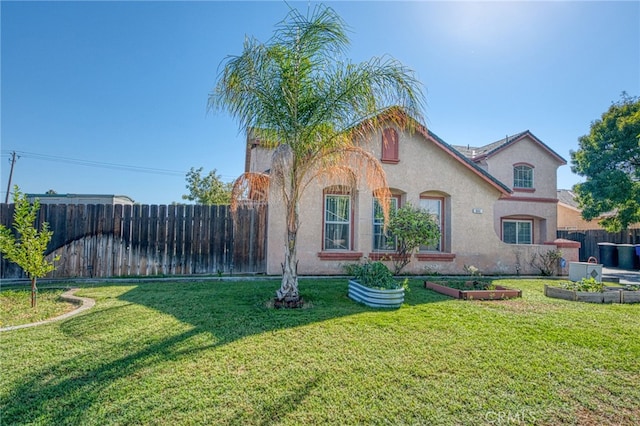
(489, 150)
(483, 174)
(416, 126)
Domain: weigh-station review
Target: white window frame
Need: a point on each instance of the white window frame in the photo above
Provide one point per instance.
(425, 202)
(523, 176)
(336, 241)
(517, 222)
(378, 226)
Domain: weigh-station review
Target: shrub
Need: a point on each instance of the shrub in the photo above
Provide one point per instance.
(586, 284)
(413, 227)
(547, 262)
(374, 275)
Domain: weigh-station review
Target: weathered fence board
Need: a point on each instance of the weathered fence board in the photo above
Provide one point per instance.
(145, 240)
(589, 240)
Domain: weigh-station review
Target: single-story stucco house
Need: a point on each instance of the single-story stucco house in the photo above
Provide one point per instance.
(496, 205)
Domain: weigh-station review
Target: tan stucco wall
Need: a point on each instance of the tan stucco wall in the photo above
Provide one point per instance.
(260, 159)
(527, 151)
(540, 204)
(423, 167)
(571, 219)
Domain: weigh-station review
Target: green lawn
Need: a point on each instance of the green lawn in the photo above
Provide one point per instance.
(15, 305)
(214, 353)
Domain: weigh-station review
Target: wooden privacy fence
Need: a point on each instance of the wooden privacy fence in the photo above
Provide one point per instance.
(98, 240)
(589, 240)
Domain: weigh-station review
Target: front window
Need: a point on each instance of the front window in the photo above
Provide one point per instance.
(434, 206)
(381, 239)
(337, 222)
(523, 176)
(517, 231)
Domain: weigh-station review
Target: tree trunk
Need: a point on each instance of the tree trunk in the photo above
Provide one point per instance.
(34, 292)
(288, 291)
(289, 288)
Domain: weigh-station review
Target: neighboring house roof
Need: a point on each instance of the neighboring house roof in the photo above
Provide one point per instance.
(489, 150)
(74, 198)
(568, 198)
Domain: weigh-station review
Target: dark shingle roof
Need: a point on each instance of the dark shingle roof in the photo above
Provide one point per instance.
(468, 161)
(478, 153)
(567, 197)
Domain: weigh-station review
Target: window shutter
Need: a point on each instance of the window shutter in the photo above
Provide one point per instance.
(390, 146)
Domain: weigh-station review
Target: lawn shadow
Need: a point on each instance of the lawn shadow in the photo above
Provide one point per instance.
(209, 314)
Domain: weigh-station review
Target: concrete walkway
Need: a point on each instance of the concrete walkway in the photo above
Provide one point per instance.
(83, 302)
(625, 276)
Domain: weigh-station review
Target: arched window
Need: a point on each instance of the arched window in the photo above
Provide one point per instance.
(390, 151)
(435, 206)
(337, 219)
(383, 241)
(523, 176)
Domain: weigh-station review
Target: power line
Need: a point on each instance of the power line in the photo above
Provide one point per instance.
(99, 164)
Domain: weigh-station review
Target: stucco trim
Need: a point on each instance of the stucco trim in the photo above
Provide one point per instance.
(531, 199)
(436, 257)
(340, 255)
(564, 243)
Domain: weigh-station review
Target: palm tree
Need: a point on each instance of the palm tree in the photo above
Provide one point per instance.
(314, 110)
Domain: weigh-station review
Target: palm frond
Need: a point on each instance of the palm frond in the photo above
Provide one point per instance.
(250, 189)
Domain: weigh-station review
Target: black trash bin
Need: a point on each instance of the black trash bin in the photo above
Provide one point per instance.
(608, 254)
(626, 253)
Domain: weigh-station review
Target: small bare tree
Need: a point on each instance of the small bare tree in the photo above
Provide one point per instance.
(547, 262)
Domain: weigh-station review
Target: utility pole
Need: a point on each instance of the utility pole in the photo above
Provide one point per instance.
(13, 161)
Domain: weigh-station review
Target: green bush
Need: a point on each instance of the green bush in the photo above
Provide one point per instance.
(413, 227)
(586, 284)
(374, 275)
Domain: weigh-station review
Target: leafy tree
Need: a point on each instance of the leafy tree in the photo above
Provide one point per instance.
(26, 249)
(207, 189)
(413, 227)
(51, 192)
(609, 158)
(300, 97)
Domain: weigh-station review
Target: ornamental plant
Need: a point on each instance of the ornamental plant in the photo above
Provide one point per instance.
(586, 284)
(374, 275)
(413, 227)
(27, 246)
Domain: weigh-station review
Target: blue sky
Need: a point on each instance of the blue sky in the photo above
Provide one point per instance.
(115, 84)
